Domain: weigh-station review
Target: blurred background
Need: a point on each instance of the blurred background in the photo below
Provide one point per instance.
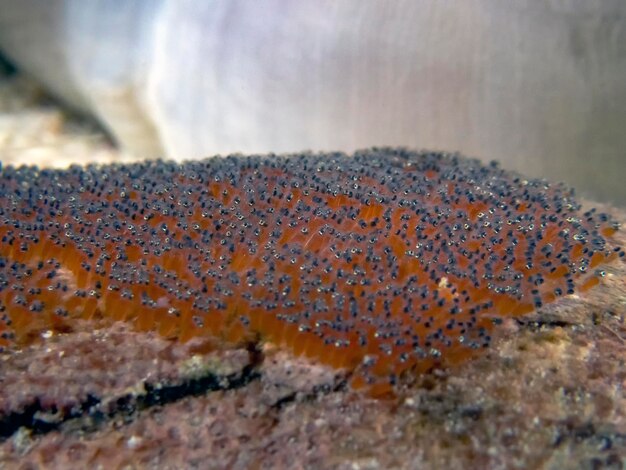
(539, 85)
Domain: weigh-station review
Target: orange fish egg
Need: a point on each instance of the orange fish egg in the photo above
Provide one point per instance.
(383, 262)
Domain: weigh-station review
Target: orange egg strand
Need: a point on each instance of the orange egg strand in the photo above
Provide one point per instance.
(383, 262)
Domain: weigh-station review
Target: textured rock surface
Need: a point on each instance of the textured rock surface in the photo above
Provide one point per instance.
(549, 393)
(98, 372)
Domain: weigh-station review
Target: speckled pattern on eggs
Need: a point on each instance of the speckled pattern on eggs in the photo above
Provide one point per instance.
(383, 262)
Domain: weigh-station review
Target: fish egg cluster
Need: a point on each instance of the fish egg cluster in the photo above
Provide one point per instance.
(382, 262)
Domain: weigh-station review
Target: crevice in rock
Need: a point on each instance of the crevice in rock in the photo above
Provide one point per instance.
(41, 420)
(90, 414)
(537, 324)
(310, 396)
